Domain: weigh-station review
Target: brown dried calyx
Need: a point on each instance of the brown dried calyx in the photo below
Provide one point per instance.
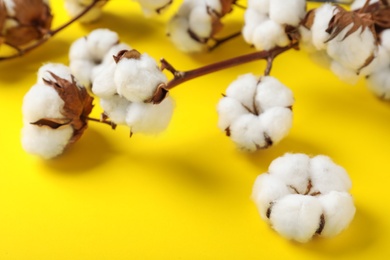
(77, 106)
(30, 19)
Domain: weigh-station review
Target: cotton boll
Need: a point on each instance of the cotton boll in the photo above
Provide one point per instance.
(327, 176)
(306, 43)
(149, 118)
(200, 22)
(296, 217)
(79, 50)
(99, 41)
(293, 169)
(41, 101)
(247, 132)
(272, 93)
(82, 70)
(287, 12)
(381, 60)
(266, 190)
(177, 30)
(229, 109)
(261, 6)
(44, 141)
(379, 83)
(276, 122)
(252, 20)
(353, 51)
(345, 74)
(138, 79)
(103, 84)
(243, 89)
(115, 108)
(268, 35)
(59, 69)
(323, 15)
(339, 210)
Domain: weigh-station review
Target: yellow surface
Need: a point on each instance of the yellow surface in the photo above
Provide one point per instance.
(185, 193)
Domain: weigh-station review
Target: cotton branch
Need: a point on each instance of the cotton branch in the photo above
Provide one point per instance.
(49, 34)
(180, 77)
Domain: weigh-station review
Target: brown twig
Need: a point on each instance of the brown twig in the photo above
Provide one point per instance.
(218, 42)
(50, 33)
(180, 77)
(103, 121)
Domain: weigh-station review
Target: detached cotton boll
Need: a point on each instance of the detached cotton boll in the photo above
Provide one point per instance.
(150, 118)
(339, 211)
(268, 35)
(256, 114)
(379, 83)
(302, 197)
(44, 141)
(287, 12)
(137, 77)
(296, 216)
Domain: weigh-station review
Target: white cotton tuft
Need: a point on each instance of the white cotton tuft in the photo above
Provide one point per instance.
(243, 89)
(327, 176)
(58, 69)
(138, 79)
(276, 123)
(289, 12)
(177, 30)
(247, 133)
(345, 74)
(74, 8)
(200, 22)
(103, 84)
(268, 35)
(323, 15)
(100, 41)
(272, 93)
(385, 39)
(261, 6)
(150, 118)
(82, 69)
(296, 217)
(293, 169)
(153, 7)
(266, 190)
(339, 210)
(229, 110)
(44, 141)
(41, 101)
(115, 107)
(253, 19)
(379, 83)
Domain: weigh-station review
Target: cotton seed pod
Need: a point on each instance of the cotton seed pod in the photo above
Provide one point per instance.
(302, 197)
(55, 112)
(256, 113)
(25, 21)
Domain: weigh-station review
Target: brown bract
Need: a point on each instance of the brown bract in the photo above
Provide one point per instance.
(34, 21)
(78, 105)
(2, 20)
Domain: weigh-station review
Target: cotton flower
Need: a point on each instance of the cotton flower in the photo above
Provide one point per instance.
(302, 197)
(55, 112)
(22, 22)
(88, 54)
(152, 7)
(197, 23)
(75, 7)
(266, 22)
(125, 87)
(256, 113)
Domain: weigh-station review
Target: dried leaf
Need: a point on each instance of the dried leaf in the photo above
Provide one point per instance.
(342, 19)
(78, 103)
(34, 19)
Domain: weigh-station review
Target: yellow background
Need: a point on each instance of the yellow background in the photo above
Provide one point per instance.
(184, 194)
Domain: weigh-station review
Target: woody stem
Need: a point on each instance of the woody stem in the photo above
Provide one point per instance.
(50, 33)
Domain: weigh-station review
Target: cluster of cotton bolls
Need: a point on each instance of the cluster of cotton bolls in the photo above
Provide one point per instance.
(256, 113)
(349, 52)
(266, 22)
(302, 197)
(125, 88)
(196, 23)
(54, 112)
(89, 54)
(22, 22)
(75, 7)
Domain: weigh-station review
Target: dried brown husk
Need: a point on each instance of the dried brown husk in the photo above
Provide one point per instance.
(227, 6)
(3, 16)
(34, 20)
(77, 106)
